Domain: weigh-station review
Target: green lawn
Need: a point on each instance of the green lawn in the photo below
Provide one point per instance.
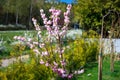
(91, 71)
(8, 35)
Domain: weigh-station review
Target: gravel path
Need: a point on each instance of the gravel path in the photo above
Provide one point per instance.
(6, 62)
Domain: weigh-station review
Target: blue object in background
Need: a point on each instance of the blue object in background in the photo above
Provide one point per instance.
(67, 1)
(76, 26)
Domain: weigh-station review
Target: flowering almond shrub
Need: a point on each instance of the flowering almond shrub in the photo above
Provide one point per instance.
(50, 48)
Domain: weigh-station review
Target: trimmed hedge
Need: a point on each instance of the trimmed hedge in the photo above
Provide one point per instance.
(12, 27)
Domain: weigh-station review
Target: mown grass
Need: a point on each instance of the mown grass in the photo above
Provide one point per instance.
(91, 71)
(8, 35)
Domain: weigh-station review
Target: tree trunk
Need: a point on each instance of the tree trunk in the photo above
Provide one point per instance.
(100, 53)
(6, 21)
(16, 17)
(30, 16)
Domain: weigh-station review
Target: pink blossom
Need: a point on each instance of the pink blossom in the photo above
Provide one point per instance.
(36, 51)
(37, 28)
(45, 22)
(68, 12)
(66, 17)
(65, 14)
(63, 62)
(62, 51)
(52, 16)
(31, 46)
(55, 63)
(55, 20)
(51, 9)
(54, 69)
(43, 16)
(47, 64)
(49, 22)
(64, 28)
(64, 75)
(49, 29)
(41, 45)
(41, 61)
(29, 39)
(79, 71)
(18, 37)
(56, 30)
(54, 24)
(36, 43)
(39, 32)
(57, 13)
(62, 33)
(66, 20)
(41, 10)
(70, 76)
(45, 19)
(34, 20)
(69, 6)
(15, 37)
(60, 55)
(22, 39)
(62, 71)
(45, 53)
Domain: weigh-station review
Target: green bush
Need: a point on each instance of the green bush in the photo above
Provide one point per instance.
(26, 71)
(81, 51)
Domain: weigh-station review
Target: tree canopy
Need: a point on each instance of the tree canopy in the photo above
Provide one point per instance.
(90, 13)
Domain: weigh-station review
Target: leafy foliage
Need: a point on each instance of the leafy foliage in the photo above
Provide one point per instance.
(90, 13)
(26, 71)
(81, 51)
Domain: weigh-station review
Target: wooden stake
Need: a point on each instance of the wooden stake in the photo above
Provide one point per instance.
(112, 58)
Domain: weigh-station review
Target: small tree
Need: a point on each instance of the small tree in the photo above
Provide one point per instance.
(50, 48)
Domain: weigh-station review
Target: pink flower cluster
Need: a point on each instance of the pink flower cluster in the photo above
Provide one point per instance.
(52, 25)
(61, 72)
(54, 30)
(66, 18)
(37, 27)
(29, 42)
(19, 38)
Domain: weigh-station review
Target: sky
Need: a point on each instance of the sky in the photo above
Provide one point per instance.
(67, 1)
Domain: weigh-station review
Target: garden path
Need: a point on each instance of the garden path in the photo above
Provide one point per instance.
(6, 62)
